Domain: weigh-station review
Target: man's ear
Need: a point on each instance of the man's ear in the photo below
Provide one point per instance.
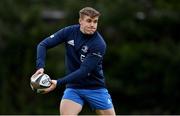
(80, 20)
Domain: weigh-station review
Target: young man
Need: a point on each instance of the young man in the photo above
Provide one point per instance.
(84, 81)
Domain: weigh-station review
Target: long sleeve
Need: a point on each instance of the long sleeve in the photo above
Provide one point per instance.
(50, 42)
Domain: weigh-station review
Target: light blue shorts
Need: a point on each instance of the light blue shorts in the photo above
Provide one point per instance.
(98, 99)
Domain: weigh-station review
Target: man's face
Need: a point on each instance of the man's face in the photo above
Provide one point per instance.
(88, 25)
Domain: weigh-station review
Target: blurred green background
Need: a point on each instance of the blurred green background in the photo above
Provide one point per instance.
(142, 63)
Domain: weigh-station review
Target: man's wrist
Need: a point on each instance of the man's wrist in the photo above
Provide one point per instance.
(58, 82)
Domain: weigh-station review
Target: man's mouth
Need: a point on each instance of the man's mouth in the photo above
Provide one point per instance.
(91, 29)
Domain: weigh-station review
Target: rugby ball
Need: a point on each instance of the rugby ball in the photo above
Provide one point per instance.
(40, 82)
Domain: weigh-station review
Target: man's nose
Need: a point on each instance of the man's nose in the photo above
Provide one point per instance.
(92, 24)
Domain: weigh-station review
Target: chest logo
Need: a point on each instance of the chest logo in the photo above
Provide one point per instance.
(84, 49)
(71, 42)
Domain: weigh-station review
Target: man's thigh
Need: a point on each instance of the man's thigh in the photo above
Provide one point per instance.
(71, 103)
(69, 107)
(106, 112)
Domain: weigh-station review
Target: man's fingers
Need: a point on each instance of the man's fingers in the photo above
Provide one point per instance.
(40, 91)
(44, 91)
(47, 90)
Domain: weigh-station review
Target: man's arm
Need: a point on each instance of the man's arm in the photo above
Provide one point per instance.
(89, 63)
(42, 47)
(50, 42)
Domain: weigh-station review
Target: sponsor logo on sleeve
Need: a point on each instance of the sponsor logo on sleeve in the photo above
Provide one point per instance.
(52, 36)
(97, 54)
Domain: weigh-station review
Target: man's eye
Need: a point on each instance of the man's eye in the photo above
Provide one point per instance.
(88, 21)
(95, 21)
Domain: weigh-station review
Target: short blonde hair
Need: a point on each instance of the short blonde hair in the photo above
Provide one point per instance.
(89, 11)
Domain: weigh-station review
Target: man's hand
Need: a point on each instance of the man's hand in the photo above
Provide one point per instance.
(39, 71)
(51, 88)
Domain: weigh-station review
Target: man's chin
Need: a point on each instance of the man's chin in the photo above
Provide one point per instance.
(90, 33)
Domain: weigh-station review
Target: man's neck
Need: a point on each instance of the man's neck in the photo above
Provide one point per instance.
(82, 31)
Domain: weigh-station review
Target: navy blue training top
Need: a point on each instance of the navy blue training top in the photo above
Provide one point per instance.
(83, 59)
